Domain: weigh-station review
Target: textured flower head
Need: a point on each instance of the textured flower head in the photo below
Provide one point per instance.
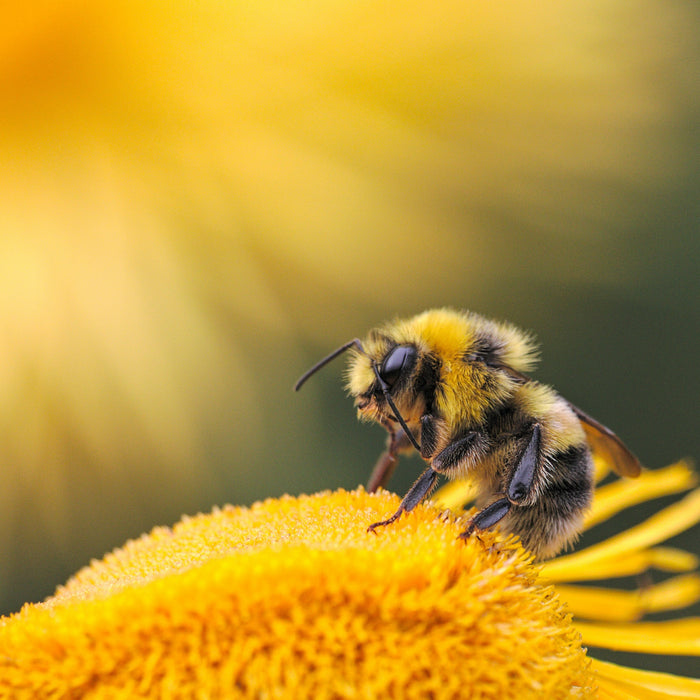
(293, 598)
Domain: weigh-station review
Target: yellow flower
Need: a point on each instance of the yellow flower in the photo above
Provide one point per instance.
(292, 598)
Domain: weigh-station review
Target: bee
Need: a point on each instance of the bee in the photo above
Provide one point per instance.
(453, 386)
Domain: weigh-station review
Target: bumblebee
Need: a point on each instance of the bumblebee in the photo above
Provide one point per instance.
(453, 385)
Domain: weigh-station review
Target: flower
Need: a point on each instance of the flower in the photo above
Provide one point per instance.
(292, 597)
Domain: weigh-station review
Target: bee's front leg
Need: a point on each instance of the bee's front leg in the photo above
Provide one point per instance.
(449, 457)
(415, 495)
(384, 468)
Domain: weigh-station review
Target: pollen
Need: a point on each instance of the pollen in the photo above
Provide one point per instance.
(293, 598)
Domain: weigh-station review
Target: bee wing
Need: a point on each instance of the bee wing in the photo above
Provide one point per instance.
(607, 445)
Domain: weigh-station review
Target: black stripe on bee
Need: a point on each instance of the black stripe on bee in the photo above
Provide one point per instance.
(571, 483)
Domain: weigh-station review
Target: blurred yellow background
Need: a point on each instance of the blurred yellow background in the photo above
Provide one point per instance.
(199, 200)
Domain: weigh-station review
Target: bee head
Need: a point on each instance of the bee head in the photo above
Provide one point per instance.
(378, 379)
(380, 374)
(393, 377)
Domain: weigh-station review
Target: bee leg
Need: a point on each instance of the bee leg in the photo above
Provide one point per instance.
(382, 471)
(456, 452)
(415, 495)
(524, 473)
(487, 517)
(388, 460)
(518, 487)
(428, 435)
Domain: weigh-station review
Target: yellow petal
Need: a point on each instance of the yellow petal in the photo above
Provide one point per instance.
(659, 527)
(629, 564)
(609, 605)
(623, 493)
(602, 468)
(673, 637)
(671, 559)
(620, 682)
(455, 494)
(673, 594)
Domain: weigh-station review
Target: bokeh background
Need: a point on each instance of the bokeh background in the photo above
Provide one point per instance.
(199, 200)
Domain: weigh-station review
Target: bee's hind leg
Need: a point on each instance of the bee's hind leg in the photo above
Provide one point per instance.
(517, 490)
(487, 517)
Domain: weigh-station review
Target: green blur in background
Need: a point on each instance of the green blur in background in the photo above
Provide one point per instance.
(198, 201)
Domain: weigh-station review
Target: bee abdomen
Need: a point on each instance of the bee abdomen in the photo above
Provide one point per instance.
(571, 478)
(554, 520)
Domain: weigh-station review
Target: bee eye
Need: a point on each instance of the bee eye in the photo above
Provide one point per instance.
(394, 363)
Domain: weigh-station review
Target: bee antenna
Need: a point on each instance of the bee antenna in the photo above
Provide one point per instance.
(385, 390)
(322, 363)
(395, 410)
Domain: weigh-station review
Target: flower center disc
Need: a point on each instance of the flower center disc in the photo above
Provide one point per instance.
(293, 598)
